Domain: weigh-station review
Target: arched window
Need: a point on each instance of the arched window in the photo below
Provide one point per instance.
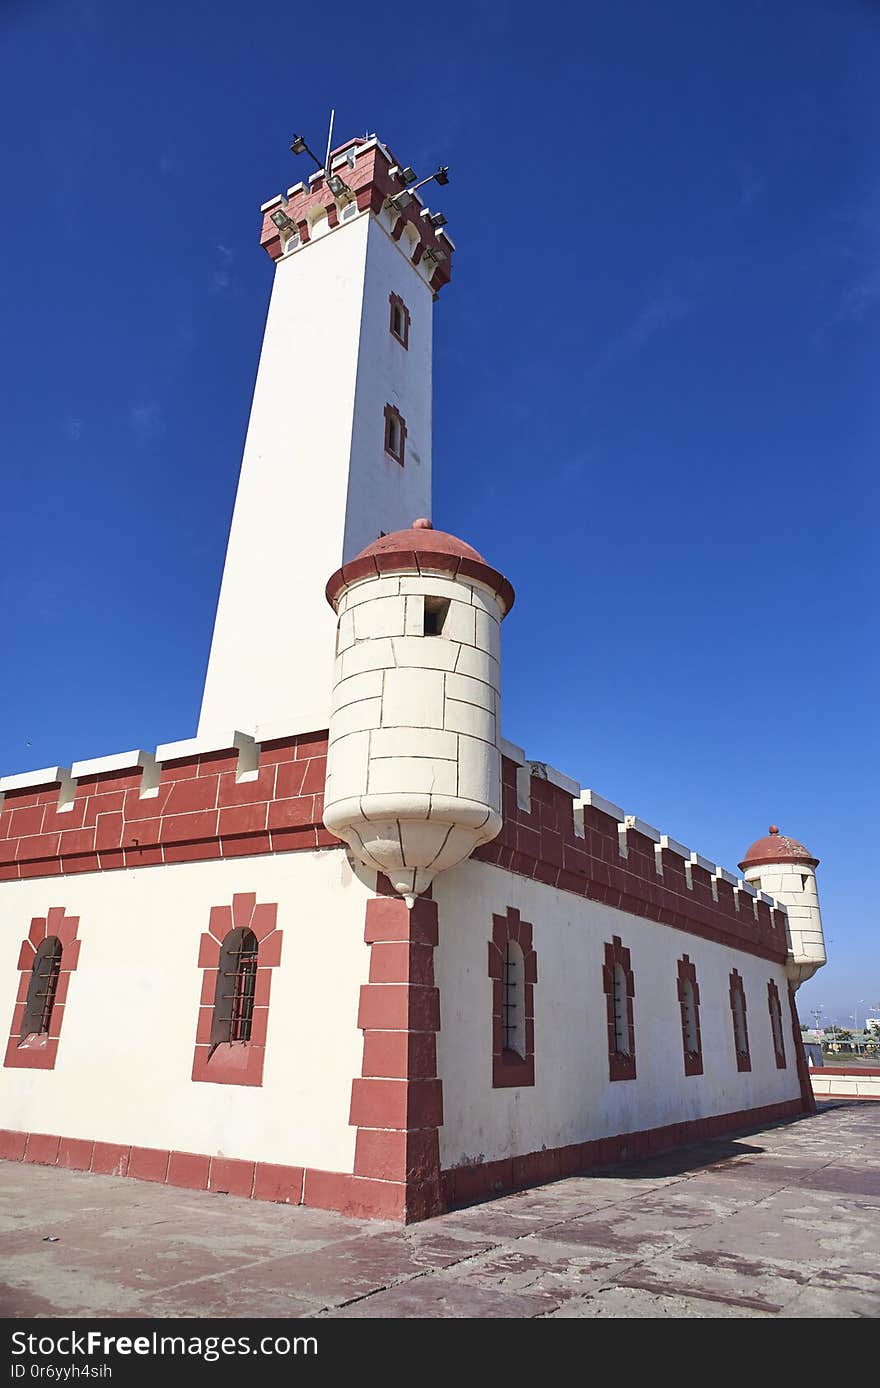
(42, 988)
(776, 1024)
(740, 1026)
(621, 1029)
(689, 1001)
(236, 985)
(617, 981)
(513, 969)
(513, 981)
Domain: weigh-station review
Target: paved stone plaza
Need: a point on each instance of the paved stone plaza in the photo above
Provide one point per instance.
(780, 1222)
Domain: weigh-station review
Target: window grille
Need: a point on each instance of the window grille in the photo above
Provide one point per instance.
(42, 988)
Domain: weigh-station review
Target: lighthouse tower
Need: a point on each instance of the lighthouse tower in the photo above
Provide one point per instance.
(783, 868)
(338, 447)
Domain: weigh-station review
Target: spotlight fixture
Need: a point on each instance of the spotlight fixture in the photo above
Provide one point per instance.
(298, 146)
(400, 200)
(336, 186)
(435, 254)
(407, 175)
(442, 174)
(437, 219)
(283, 223)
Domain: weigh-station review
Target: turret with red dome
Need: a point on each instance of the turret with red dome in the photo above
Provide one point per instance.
(784, 868)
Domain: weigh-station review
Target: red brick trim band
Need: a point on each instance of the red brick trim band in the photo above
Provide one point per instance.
(740, 1023)
(859, 1071)
(201, 810)
(621, 1063)
(693, 1055)
(511, 1070)
(364, 1198)
(464, 1184)
(397, 1103)
(39, 1052)
(236, 1062)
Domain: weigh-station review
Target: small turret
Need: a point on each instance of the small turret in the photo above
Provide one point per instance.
(414, 767)
(782, 867)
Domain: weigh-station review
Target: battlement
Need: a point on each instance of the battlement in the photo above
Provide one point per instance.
(581, 842)
(372, 177)
(187, 801)
(244, 794)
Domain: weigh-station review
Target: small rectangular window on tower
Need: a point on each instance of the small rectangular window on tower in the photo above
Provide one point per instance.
(436, 610)
(395, 433)
(400, 320)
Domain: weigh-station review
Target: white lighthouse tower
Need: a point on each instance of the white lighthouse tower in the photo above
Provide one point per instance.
(785, 869)
(338, 447)
(414, 766)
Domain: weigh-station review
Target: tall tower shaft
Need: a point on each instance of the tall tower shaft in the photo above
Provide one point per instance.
(338, 447)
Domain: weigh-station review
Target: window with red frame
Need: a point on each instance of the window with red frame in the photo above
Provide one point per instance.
(619, 986)
(689, 1002)
(740, 1025)
(400, 320)
(395, 434)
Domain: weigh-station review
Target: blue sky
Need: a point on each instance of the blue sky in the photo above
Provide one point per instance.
(653, 378)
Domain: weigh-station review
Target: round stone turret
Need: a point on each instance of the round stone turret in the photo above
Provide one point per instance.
(414, 767)
(785, 869)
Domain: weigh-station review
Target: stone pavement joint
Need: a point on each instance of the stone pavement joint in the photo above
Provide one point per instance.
(780, 1222)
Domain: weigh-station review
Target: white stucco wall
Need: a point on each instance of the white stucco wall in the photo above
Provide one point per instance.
(573, 1099)
(316, 485)
(123, 1071)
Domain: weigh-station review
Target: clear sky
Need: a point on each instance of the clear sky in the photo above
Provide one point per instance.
(655, 378)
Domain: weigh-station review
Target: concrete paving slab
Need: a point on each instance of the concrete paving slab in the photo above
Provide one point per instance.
(780, 1223)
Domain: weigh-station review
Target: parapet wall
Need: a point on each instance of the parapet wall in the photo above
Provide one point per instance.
(372, 177)
(192, 801)
(579, 842)
(187, 802)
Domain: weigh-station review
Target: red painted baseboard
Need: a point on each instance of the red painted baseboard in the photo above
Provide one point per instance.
(363, 1197)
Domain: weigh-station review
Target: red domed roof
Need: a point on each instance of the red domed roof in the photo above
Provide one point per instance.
(420, 549)
(777, 848)
(422, 537)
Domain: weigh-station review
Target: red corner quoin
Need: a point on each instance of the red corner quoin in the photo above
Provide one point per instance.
(397, 1103)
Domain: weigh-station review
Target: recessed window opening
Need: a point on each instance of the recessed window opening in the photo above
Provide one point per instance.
(436, 611)
(776, 1023)
(393, 434)
(621, 1021)
(512, 1007)
(691, 1034)
(397, 319)
(236, 988)
(756, 883)
(804, 880)
(741, 1036)
(42, 988)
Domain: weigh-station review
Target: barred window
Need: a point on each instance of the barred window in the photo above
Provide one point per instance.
(621, 1019)
(740, 1026)
(236, 987)
(42, 988)
(512, 1006)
